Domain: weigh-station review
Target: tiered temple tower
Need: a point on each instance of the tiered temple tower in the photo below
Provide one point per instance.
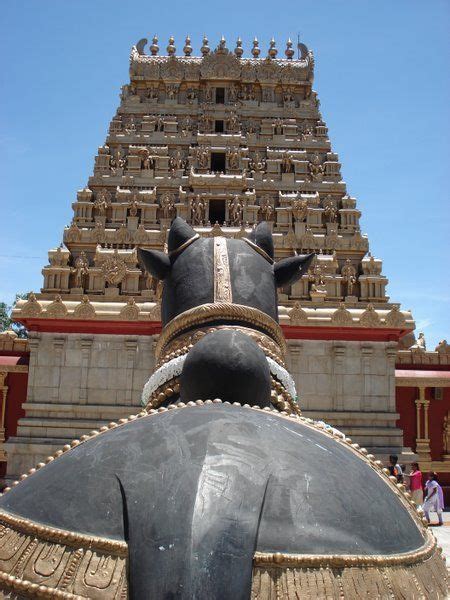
(223, 141)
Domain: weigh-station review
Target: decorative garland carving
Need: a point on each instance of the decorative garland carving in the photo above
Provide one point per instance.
(201, 315)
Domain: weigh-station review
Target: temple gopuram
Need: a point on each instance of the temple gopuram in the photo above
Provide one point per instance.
(224, 141)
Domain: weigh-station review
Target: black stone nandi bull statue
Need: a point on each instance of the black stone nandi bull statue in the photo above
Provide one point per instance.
(219, 489)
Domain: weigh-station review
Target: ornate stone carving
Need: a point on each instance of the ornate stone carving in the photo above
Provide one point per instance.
(140, 235)
(202, 156)
(84, 310)
(300, 210)
(131, 311)
(155, 312)
(31, 308)
(257, 164)
(232, 156)
(233, 123)
(198, 210)
(420, 344)
(102, 201)
(348, 273)
(172, 69)
(235, 210)
(265, 209)
(220, 64)
(287, 163)
(267, 71)
(443, 347)
(248, 72)
(167, 204)
(315, 168)
(98, 234)
(57, 309)
(446, 433)
(342, 317)
(81, 270)
(114, 269)
(308, 241)
(73, 233)
(394, 318)
(297, 315)
(369, 317)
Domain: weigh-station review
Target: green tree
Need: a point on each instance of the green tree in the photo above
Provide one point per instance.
(5, 320)
(5, 317)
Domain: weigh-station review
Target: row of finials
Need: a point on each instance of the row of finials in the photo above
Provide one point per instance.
(238, 50)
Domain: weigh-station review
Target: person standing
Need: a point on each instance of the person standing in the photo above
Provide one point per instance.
(395, 469)
(416, 484)
(434, 499)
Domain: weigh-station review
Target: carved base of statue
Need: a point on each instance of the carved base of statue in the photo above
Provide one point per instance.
(100, 219)
(132, 223)
(77, 291)
(351, 299)
(300, 229)
(165, 222)
(288, 177)
(112, 292)
(318, 293)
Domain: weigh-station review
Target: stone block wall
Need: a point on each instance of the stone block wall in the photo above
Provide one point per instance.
(77, 383)
(80, 382)
(350, 385)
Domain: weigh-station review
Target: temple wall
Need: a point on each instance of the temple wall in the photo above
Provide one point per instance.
(350, 385)
(80, 382)
(77, 383)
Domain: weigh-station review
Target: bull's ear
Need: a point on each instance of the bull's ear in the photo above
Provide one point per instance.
(262, 237)
(155, 262)
(289, 270)
(179, 233)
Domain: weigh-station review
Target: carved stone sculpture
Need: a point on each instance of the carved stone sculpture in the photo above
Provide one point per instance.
(348, 273)
(287, 163)
(235, 210)
(114, 269)
(265, 209)
(203, 157)
(420, 342)
(300, 209)
(102, 201)
(198, 210)
(167, 204)
(233, 125)
(315, 168)
(81, 270)
(257, 164)
(232, 156)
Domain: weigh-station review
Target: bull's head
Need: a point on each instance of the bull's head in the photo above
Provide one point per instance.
(199, 271)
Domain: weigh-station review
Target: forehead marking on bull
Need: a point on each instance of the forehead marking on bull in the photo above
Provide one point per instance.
(222, 278)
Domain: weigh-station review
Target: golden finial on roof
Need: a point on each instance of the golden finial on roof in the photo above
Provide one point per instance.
(154, 48)
(239, 50)
(171, 48)
(256, 49)
(187, 48)
(205, 49)
(289, 51)
(272, 53)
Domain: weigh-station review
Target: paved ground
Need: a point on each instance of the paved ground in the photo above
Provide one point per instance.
(443, 534)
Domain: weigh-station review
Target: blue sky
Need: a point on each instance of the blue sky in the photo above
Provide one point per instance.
(381, 75)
